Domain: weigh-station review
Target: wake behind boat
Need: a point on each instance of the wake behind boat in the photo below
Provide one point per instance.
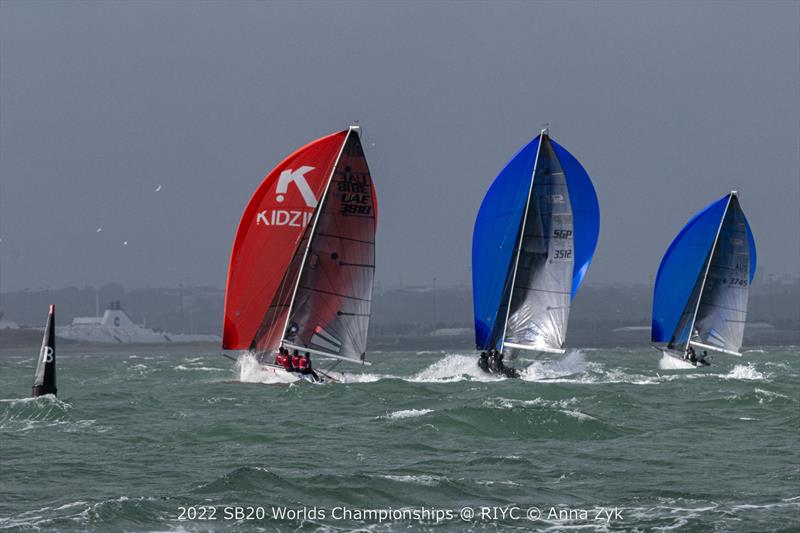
(702, 287)
(533, 241)
(303, 260)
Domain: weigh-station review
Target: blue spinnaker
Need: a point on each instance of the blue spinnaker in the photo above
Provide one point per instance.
(682, 267)
(495, 236)
(497, 228)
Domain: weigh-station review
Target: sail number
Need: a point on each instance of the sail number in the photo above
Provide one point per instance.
(355, 198)
(563, 254)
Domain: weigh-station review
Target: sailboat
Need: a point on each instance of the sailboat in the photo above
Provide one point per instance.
(701, 291)
(303, 259)
(44, 380)
(534, 238)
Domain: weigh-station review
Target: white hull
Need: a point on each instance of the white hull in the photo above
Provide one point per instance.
(674, 361)
(280, 375)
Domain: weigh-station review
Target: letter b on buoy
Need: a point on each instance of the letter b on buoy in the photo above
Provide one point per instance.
(48, 354)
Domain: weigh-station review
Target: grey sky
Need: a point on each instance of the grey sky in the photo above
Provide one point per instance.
(668, 106)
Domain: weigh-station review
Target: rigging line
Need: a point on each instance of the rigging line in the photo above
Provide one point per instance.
(542, 290)
(342, 263)
(356, 215)
(345, 238)
(724, 307)
(723, 267)
(310, 289)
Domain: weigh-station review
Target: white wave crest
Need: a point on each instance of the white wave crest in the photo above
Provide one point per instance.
(45, 400)
(251, 371)
(768, 395)
(344, 377)
(572, 364)
(566, 406)
(203, 368)
(745, 372)
(407, 413)
(427, 480)
(673, 363)
(453, 367)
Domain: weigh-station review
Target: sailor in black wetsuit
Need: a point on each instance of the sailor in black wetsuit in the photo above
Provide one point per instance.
(495, 364)
(483, 362)
(689, 354)
(703, 359)
(501, 368)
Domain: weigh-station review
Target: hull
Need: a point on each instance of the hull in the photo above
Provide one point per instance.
(282, 376)
(671, 360)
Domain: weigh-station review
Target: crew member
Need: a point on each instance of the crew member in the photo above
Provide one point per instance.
(305, 366)
(702, 359)
(496, 361)
(279, 357)
(296, 360)
(483, 362)
(287, 361)
(689, 355)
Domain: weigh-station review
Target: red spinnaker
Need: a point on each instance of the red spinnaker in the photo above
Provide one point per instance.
(272, 227)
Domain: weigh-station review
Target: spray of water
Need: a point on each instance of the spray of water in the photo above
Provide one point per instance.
(454, 367)
(251, 371)
(572, 364)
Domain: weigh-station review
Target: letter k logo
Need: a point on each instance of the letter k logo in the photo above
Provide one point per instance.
(299, 179)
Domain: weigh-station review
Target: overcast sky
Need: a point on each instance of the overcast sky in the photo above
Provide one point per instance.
(667, 105)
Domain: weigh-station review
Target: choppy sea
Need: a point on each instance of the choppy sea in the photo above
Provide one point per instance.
(182, 439)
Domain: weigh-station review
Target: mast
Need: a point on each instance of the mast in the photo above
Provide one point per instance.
(313, 229)
(708, 267)
(542, 134)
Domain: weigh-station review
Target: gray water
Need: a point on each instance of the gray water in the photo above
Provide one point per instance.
(142, 437)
